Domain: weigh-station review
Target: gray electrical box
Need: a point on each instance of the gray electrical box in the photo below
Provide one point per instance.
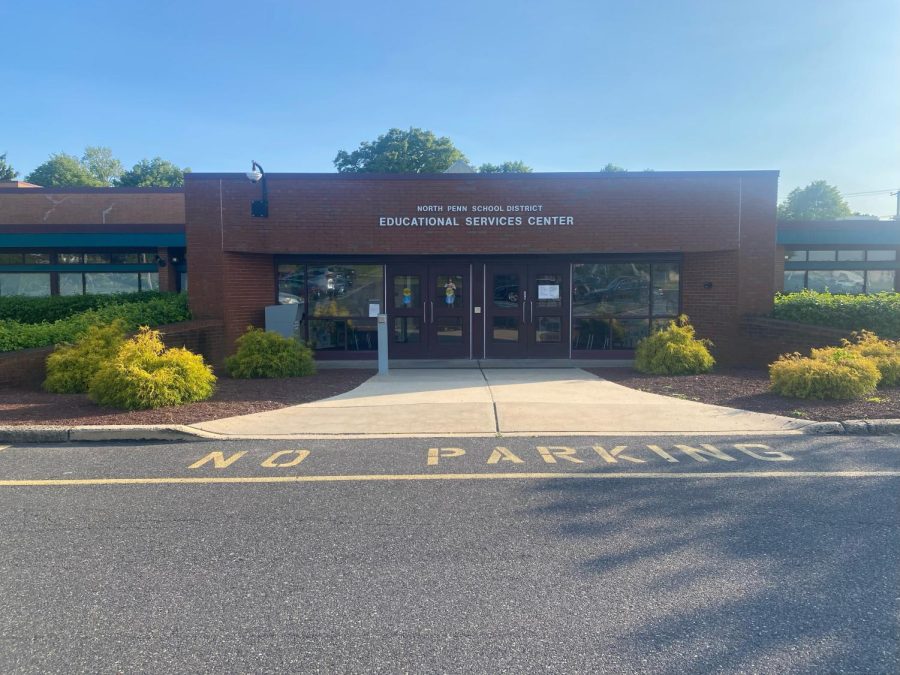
(284, 319)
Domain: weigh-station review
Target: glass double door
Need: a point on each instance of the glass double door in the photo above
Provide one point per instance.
(527, 310)
(428, 311)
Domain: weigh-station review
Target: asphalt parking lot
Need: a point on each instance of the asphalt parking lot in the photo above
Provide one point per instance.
(627, 554)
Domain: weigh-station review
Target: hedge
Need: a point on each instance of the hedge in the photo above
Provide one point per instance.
(55, 307)
(165, 308)
(878, 313)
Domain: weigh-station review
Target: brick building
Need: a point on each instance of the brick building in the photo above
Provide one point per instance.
(573, 265)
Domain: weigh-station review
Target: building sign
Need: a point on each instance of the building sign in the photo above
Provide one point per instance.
(478, 215)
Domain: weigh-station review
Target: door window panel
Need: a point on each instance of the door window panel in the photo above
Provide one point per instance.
(506, 290)
(448, 329)
(407, 330)
(449, 291)
(548, 329)
(548, 291)
(505, 329)
(407, 292)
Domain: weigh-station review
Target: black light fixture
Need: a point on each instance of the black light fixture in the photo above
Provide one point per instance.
(259, 208)
(160, 261)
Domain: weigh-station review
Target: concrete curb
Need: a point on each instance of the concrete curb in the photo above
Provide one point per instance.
(181, 432)
(120, 432)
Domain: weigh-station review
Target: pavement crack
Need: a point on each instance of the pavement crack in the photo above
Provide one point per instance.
(493, 402)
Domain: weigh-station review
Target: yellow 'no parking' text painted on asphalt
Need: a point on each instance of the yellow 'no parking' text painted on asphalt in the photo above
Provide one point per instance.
(582, 463)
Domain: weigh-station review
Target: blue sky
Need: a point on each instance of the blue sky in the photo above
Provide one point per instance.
(808, 87)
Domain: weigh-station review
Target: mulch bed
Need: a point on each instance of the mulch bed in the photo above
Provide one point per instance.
(232, 397)
(748, 389)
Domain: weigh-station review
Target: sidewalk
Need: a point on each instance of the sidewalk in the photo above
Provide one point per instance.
(495, 401)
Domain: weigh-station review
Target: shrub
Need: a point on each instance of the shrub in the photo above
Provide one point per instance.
(879, 312)
(71, 367)
(56, 307)
(829, 373)
(674, 350)
(144, 374)
(161, 309)
(265, 354)
(885, 354)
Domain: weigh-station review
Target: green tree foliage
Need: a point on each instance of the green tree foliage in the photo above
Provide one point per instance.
(63, 170)
(101, 164)
(817, 201)
(506, 167)
(156, 172)
(399, 151)
(674, 350)
(71, 368)
(144, 374)
(7, 173)
(613, 168)
(266, 354)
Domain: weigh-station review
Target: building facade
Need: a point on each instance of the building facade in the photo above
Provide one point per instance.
(467, 266)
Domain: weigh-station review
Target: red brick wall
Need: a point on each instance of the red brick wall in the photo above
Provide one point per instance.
(124, 208)
(765, 339)
(723, 224)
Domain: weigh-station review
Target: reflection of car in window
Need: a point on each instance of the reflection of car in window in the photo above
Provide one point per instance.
(506, 295)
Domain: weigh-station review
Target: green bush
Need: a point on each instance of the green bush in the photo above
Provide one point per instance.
(829, 373)
(885, 354)
(144, 374)
(71, 367)
(56, 307)
(879, 312)
(161, 309)
(265, 354)
(674, 350)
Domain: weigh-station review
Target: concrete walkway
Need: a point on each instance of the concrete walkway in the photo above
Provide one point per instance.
(492, 401)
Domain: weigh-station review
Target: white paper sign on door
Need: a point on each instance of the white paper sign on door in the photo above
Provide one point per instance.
(548, 292)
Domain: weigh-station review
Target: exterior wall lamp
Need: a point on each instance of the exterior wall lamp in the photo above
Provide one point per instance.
(259, 208)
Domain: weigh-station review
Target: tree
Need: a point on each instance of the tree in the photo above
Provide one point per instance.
(101, 164)
(398, 151)
(613, 168)
(156, 172)
(7, 173)
(506, 167)
(63, 170)
(817, 201)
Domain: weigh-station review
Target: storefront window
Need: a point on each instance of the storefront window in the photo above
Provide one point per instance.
(851, 256)
(626, 333)
(97, 258)
(71, 283)
(105, 283)
(344, 289)
(822, 256)
(836, 281)
(149, 281)
(666, 284)
(24, 283)
(880, 281)
(611, 290)
(70, 258)
(881, 255)
(291, 284)
(795, 256)
(794, 280)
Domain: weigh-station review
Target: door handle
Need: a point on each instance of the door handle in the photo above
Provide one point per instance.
(532, 311)
(432, 311)
(424, 313)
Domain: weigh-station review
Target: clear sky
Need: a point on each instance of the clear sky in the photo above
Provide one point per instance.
(810, 87)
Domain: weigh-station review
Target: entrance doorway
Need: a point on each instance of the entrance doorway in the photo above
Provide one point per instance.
(526, 313)
(428, 310)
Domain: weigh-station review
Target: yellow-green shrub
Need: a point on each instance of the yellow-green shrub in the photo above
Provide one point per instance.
(829, 373)
(144, 374)
(71, 367)
(885, 354)
(265, 354)
(674, 350)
